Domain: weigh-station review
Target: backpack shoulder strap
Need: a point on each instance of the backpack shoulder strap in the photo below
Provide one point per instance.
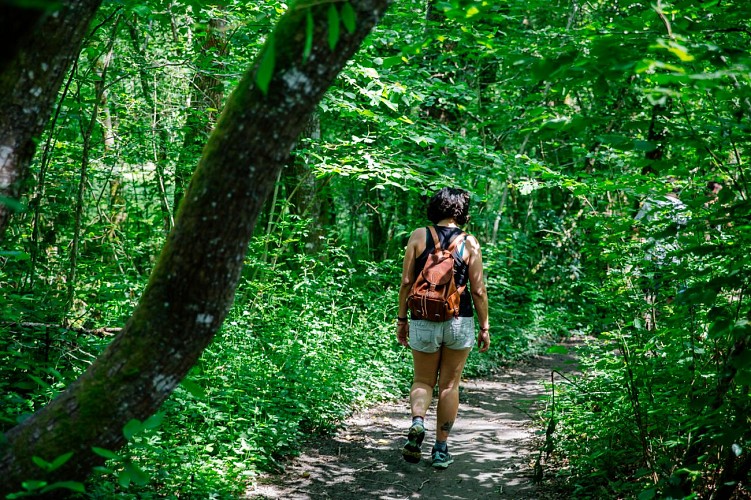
(436, 241)
(461, 236)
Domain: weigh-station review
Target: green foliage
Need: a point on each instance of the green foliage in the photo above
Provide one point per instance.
(266, 66)
(333, 17)
(306, 343)
(34, 488)
(37, 488)
(561, 118)
(349, 17)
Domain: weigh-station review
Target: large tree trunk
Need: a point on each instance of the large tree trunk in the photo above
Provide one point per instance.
(193, 284)
(31, 76)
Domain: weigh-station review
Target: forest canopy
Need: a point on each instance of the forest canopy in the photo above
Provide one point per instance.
(604, 145)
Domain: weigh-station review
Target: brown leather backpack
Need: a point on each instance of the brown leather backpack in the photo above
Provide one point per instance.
(434, 295)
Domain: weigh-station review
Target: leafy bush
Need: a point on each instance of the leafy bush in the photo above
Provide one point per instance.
(662, 407)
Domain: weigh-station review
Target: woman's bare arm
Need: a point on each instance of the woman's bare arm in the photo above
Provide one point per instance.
(479, 293)
(408, 278)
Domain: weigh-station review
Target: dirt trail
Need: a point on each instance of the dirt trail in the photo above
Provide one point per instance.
(494, 444)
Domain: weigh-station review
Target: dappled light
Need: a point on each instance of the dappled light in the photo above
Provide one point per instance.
(206, 210)
(494, 444)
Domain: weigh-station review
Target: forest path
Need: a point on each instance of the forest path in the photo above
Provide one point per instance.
(495, 443)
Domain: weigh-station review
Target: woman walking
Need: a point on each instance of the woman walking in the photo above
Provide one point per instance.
(440, 348)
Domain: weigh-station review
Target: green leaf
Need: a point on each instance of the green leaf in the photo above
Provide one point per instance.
(33, 485)
(12, 204)
(54, 465)
(333, 16)
(648, 494)
(67, 485)
(308, 36)
(719, 328)
(644, 145)
(140, 9)
(123, 478)
(39, 381)
(137, 475)
(266, 67)
(193, 389)
(109, 455)
(680, 51)
(348, 17)
(41, 463)
(392, 61)
(556, 349)
(60, 461)
(14, 255)
(153, 421)
(132, 428)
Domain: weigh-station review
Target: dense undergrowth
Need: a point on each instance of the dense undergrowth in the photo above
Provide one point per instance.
(560, 117)
(661, 409)
(309, 340)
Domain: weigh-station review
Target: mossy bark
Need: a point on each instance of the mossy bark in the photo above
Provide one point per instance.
(31, 73)
(191, 289)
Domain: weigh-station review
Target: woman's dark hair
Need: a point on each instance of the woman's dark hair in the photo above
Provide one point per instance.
(449, 202)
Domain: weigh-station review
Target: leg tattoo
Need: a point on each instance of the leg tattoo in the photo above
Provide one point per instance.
(446, 427)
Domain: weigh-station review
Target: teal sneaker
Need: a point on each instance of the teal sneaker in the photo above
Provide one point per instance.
(441, 459)
(411, 451)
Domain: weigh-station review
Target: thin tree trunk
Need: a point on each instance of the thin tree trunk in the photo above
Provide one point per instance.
(83, 179)
(29, 82)
(206, 100)
(159, 135)
(192, 286)
(304, 200)
(499, 214)
(36, 201)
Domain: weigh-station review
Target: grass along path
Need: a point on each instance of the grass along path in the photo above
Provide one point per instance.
(494, 442)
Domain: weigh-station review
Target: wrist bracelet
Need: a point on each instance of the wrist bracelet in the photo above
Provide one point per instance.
(401, 320)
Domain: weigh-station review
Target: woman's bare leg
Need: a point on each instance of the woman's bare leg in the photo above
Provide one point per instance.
(451, 366)
(426, 374)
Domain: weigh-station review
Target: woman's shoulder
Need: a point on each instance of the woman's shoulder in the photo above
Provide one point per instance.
(472, 242)
(419, 232)
(417, 238)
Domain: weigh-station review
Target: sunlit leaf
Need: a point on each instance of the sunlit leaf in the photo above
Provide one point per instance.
(136, 474)
(556, 349)
(153, 421)
(133, 427)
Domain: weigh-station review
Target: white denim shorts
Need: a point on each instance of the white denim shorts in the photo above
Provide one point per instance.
(429, 336)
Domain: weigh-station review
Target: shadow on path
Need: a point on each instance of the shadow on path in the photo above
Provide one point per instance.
(494, 445)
